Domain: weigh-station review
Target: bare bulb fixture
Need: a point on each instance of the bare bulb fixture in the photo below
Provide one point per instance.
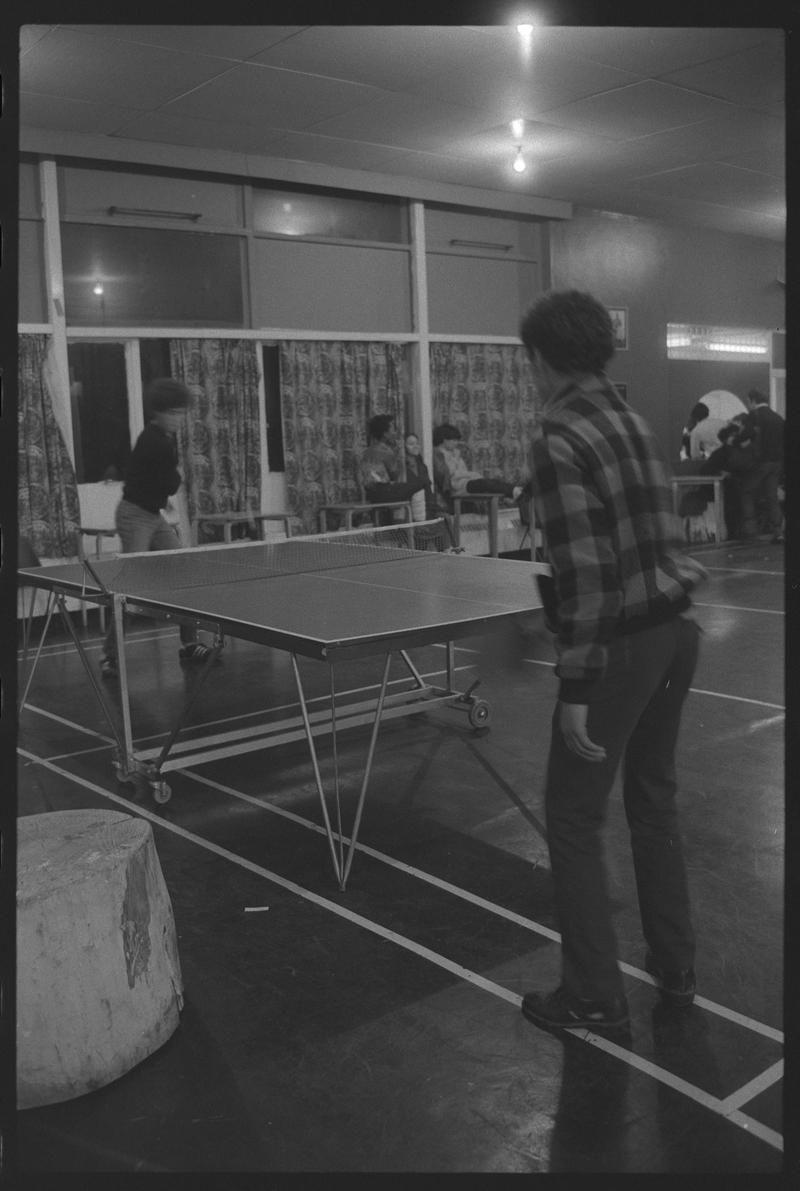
(98, 289)
(519, 164)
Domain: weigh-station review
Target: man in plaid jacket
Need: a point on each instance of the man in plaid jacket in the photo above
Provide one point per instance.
(627, 652)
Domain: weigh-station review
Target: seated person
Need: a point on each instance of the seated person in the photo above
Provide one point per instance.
(380, 467)
(416, 468)
(453, 477)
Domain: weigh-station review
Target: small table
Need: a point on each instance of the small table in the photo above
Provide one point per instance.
(697, 481)
(348, 509)
(492, 499)
(228, 520)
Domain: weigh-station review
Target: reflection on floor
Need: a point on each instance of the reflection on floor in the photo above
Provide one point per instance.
(378, 1029)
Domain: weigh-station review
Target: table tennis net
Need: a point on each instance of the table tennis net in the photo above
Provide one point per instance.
(173, 570)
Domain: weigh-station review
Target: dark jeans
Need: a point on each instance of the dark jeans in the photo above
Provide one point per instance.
(140, 531)
(491, 485)
(636, 717)
(760, 483)
(401, 490)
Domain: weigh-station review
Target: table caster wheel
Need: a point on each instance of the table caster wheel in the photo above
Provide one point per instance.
(161, 792)
(480, 713)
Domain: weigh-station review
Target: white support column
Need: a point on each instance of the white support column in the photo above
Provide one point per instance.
(423, 412)
(58, 370)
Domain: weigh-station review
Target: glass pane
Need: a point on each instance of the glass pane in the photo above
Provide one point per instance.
(99, 399)
(115, 276)
(295, 213)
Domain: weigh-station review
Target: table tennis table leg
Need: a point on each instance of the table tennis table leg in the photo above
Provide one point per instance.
(341, 865)
(49, 609)
(337, 867)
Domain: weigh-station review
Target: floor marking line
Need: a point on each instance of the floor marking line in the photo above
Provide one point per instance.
(754, 1127)
(754, 1088)
(492, 907)
(744, 571)
(241, 716)
(458, 970)
(740, 608)
(751, 1024)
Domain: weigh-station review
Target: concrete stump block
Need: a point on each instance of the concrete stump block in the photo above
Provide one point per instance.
(99, 983)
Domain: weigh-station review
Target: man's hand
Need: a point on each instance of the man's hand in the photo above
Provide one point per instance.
(572, 722)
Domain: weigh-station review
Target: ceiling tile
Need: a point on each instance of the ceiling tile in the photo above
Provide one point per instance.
(755, 76)
(404, 121)
(706, 182)
(280, 98)
(650, 52)
(393, 57)
(105, 70)
(225, 41)
(69, 115)
(508, 86)
(166, 129)
(637, 110)
(323, 150)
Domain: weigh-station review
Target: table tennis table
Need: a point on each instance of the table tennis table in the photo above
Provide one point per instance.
(330, 598)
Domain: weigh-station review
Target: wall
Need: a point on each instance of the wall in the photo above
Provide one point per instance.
(666, 274)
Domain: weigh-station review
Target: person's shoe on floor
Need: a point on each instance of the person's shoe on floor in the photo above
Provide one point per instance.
(560, 1010)
(108, 668)
(195, 653)
(676, 988)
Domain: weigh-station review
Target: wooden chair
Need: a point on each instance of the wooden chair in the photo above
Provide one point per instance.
(98, 503)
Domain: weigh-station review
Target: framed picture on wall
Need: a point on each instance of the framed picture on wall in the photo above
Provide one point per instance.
(619, 321)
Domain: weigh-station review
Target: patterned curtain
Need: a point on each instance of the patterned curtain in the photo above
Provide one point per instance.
(48, 511)
(219, 447)
(487, 391)
(328, 393)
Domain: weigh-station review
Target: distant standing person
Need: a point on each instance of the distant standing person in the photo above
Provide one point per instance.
(626, 650)
(764, 430)
(151, 477)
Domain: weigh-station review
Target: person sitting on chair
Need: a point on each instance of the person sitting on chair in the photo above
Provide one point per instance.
(381, 468)
(453, 477)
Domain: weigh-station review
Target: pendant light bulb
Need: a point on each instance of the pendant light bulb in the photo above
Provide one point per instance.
(518, 163)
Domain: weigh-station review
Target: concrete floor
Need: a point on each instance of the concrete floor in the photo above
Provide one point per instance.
(378, 1029)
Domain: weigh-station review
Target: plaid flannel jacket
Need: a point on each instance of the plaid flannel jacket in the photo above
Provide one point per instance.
(604, 507)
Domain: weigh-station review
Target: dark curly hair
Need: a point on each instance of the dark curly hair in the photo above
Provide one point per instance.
(164, 393)
(378, 426)
(571, 330)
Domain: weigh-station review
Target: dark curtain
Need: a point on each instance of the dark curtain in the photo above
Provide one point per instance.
(329, 391)
(48, 510)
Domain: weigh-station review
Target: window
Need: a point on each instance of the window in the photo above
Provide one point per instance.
(131, 276)
(330, 215)
(716, 343)
(99, 401)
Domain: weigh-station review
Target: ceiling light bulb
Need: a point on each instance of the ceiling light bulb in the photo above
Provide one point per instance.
(98, 289)
(525, 30)
(518, 127)
(519, 162)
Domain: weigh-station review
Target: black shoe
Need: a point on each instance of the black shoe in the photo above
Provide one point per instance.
(559, 1010)
(195, 653)
(677, 988)
(108, 668)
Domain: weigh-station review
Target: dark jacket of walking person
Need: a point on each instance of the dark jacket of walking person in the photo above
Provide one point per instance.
(620, 594)
(764, 429)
